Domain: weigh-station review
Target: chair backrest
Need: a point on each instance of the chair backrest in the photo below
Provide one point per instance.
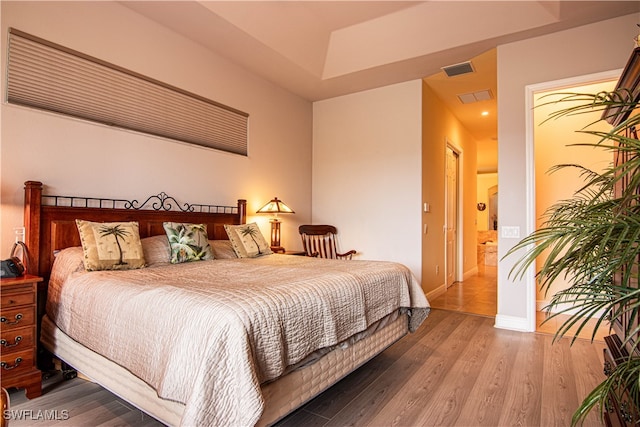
(320, 241)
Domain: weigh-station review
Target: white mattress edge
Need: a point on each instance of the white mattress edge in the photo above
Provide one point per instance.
(281, 396)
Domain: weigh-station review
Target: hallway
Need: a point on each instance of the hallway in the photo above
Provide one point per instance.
(478, 295)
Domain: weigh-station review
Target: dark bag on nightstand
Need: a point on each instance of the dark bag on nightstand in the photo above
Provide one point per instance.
(13, 267)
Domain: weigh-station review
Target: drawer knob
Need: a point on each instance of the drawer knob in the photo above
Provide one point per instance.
(6, 321)
(6, 343)
(7, 367)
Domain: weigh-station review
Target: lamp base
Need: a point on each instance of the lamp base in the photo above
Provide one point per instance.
(275, 234)
(277, 249)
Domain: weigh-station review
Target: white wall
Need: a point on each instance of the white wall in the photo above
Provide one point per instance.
(589, 49)
(74, 157)
(367, 171)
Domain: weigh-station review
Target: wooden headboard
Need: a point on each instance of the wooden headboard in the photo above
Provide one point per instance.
(50, 220)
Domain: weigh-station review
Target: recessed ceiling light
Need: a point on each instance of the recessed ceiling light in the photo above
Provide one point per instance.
(485, 113)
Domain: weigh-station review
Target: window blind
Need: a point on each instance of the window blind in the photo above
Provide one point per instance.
(47, 76)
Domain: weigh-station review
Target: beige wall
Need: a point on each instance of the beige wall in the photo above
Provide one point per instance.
(367, 171)
(557, 142)
(585, 50)
(439, 125)
(76, 157)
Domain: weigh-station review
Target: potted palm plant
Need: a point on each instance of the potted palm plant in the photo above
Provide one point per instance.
(593, 240)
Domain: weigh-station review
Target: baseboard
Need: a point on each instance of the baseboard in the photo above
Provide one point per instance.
(513, 323)
(470, 273)
(542, 304)
(440, 290)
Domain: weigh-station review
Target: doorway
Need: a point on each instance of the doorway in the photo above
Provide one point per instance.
(535, 300)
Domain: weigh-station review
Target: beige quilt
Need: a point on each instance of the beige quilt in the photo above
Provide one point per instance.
(208, 333)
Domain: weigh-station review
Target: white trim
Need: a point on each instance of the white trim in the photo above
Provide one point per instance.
(470, 273)
(440, 290)
(541, 305)
(513, 323)
(530, 184)
(459, 273)
(530, 207)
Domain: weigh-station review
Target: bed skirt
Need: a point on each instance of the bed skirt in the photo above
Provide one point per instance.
(281, 396)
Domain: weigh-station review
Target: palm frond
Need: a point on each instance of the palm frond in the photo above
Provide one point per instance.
(624, 378)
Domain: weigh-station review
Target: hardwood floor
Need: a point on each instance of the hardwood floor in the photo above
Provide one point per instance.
(72, 403)
(478, 295)
(456, 370)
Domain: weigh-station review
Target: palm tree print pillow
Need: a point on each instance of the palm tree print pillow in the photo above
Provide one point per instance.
(247, 240)
(188, 242)
(110, 245)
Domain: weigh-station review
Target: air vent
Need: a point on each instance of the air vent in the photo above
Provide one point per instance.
(458, 69)
(481, 95)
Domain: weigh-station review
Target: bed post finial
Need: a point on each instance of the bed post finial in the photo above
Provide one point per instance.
(32, 204)
(242, 211)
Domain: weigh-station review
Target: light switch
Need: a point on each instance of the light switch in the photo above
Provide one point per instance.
(510, 232)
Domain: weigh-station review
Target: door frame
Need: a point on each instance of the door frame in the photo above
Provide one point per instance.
(459, 252)
(530, 173)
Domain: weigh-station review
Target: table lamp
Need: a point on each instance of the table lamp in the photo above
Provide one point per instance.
(275, 206)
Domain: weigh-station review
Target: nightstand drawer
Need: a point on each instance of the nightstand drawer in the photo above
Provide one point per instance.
(18, 334)
(16, 363)
(17, 340)
(16, 299)
(17, 318)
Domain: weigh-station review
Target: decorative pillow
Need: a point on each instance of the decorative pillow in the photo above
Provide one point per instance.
(222, 249)
(188, 242)
(68, 260)
(156, 249)
(110, 245)
(247, 241)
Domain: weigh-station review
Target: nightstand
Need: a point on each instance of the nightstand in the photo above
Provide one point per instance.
(18, 336)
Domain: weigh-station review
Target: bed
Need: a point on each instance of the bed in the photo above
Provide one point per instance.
(227, 341)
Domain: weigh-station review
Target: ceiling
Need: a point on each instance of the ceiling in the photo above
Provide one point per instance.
(323, 49)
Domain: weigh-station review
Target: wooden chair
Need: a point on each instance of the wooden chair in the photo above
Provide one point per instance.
(320, 241)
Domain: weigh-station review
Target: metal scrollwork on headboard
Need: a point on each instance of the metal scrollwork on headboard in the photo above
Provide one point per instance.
(159, 202)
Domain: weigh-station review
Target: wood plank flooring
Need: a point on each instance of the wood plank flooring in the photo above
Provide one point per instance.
(478, 295)
(456, 370)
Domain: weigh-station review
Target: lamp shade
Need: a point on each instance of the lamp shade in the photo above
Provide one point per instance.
(275, 206)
